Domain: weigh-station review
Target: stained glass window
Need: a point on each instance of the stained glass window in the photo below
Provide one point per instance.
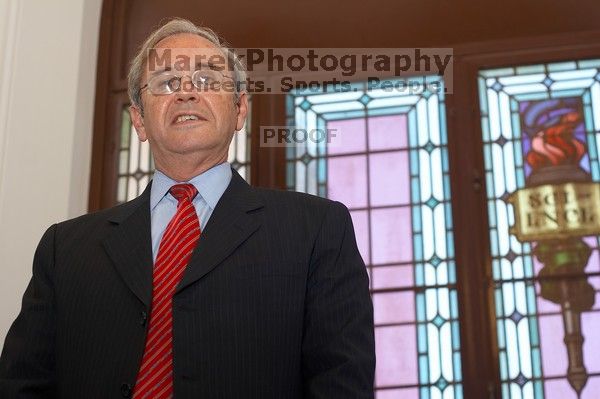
(135, 162)
(390, 168)
(541, 126)
(136, 165)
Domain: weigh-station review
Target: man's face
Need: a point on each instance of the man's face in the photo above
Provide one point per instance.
(218, 116)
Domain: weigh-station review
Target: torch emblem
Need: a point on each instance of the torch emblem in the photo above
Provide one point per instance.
(557, 207)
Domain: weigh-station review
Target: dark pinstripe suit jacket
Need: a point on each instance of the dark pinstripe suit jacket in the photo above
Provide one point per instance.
(273, 305)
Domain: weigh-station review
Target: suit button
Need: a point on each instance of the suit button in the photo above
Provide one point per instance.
(126, 390)
(143, 317)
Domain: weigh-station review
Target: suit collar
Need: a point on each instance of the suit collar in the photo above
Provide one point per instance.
(238, 191)
(130, 244)
(122, 212)
(210, 185)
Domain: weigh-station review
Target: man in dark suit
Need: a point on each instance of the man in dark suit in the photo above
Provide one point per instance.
(202, 287)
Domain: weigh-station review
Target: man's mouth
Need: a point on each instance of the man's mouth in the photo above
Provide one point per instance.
(187, 119)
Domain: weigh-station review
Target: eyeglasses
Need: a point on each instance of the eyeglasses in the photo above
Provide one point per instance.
(168, 82)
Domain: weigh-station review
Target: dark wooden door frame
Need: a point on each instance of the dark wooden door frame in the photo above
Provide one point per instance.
(110, 94)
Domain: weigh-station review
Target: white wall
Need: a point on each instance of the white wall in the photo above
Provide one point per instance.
(48, 53)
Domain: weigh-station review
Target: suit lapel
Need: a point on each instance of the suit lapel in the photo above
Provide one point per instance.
(228, 227)
(130, 245)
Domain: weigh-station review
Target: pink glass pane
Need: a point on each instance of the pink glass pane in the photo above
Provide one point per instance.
(360, 220)
(537, 265)
(408, 393)
(592, 389)
(593, 265)
(592, 241)
(350, 136)
(590, 324)
(347, 180)
(387, 132)
(393, 276)
(595, 282)
(396, 352)
(544, 305)
(394, 307)
(559, 389)
(554, 353)
(391, 231)
(389, 178)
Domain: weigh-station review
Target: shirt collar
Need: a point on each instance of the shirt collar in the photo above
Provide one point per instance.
(210, 185)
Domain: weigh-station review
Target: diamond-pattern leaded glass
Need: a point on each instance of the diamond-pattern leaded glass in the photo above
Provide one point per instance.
(540, 127)
(390, 168)
(136, 165)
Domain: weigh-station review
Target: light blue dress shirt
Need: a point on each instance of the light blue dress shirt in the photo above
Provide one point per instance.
(210, 185)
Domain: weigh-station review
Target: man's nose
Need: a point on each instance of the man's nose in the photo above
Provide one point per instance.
(188, 91)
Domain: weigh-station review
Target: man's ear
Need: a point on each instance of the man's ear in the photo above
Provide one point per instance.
(242, 110)
(137, 118)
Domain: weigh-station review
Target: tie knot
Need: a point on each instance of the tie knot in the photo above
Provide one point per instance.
(183, 191)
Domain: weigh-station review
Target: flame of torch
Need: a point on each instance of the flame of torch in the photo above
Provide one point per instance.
(557, 145)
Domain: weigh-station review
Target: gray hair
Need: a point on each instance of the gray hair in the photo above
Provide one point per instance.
(174, 27)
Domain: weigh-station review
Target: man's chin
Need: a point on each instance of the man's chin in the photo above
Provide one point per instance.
(188, 125)
(189, 148)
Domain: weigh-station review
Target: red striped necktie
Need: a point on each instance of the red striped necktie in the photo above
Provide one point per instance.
(155, 378)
